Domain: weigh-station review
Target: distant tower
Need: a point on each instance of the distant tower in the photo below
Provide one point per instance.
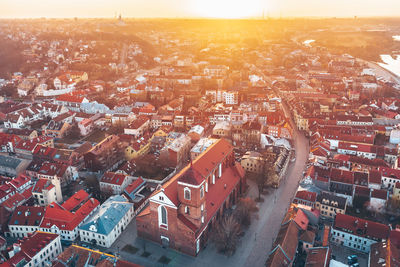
(120, 21)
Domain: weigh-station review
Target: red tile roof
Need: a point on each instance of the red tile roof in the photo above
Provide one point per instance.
(44, 152)
(318, 257)
(70, 98)
(52, 169)
(29, 145)
(360, 178)
(395, 237)
(342, 176)
(5, 190)
(20, 181)
(306, 195)
(134, 185)
(375, 177)
(74, 201)
(42, 184)
(358, 147)
(389, 172)
(113, 178)
(361, 191)
(136, 124)
(379, 193)
(86, 122)
(66, 220)
(191, 176)
(14, 201)
(301, 219)
(30, 246)
(80, 257)
(24, 215)
(5, 138)
(361, 227)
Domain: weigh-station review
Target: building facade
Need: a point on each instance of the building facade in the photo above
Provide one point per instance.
(182, 212)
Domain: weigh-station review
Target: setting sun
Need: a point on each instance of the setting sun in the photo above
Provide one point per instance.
(228, 8)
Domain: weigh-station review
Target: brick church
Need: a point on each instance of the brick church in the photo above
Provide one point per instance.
(183, 211)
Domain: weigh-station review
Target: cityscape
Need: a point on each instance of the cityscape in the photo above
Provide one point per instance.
(199, 133)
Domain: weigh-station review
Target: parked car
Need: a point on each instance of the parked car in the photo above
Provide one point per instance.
(352, 259)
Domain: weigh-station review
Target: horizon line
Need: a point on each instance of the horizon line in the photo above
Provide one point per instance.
(275, 17)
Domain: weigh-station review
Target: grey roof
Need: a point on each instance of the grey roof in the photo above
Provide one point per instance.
(108, 215)
(94, 107)
(332, 200)
(10, 162)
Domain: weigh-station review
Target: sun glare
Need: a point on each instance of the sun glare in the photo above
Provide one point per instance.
(228, 8)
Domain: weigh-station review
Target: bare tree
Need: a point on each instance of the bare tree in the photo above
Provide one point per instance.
(226, 235)
(244, 210)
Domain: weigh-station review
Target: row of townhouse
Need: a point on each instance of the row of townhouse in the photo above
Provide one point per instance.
(22, 117)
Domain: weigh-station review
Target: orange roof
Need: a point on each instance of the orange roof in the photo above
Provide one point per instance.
(64, 219)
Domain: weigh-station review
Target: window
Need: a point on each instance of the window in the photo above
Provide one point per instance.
(162, 215)
(187, 194)
(202, 191)
(187, 211)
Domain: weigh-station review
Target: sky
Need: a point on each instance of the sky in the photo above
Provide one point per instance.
(197, 8)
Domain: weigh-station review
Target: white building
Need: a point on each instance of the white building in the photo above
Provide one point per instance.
(108, 223)
(389, 177)
(395, 136)
(65, 219)
(230, 97)
(138, 127)
(47, 191)
(25, 220)
(40, 249)
(227, 97)
(114, 183)
(356, 233)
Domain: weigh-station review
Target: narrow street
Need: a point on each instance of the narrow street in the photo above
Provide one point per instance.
(272, 213)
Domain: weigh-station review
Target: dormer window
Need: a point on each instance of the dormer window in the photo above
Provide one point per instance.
(187, 193)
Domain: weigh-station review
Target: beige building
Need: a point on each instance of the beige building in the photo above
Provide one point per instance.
(222, 129)
(330, 204)
(254, 161)
(396, 192)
